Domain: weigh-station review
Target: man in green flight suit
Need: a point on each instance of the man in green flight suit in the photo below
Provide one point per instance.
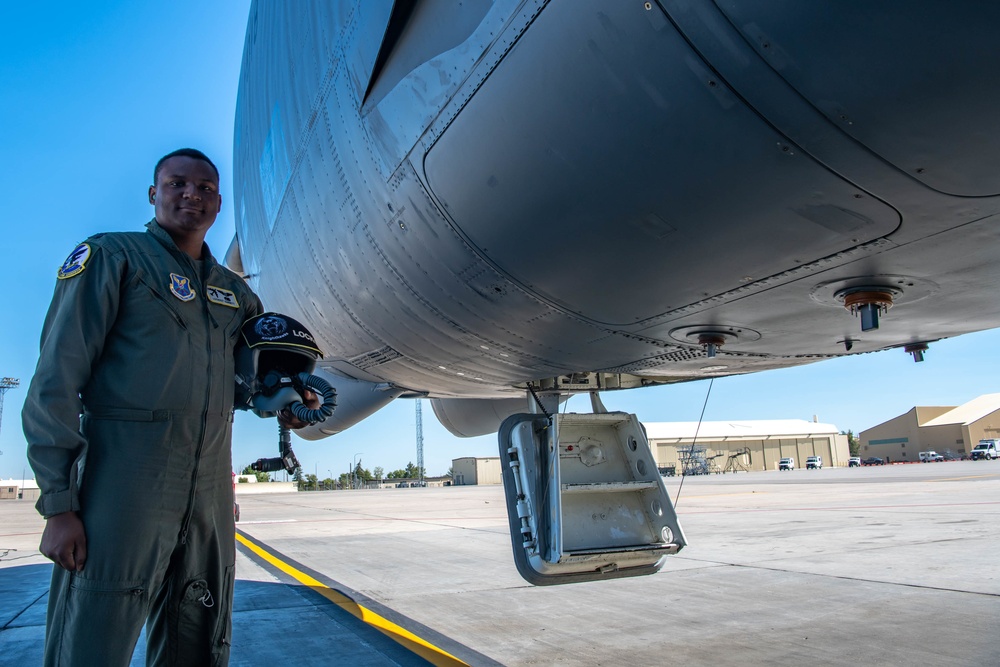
(128, 422)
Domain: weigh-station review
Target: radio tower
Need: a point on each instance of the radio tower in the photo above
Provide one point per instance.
(420, 443)
(5, 384)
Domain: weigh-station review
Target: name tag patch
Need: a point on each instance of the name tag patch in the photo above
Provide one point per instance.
(181, 287)
(223, 297)
(75, 263)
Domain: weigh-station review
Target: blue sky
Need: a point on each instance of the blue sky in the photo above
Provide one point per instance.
(94, 93)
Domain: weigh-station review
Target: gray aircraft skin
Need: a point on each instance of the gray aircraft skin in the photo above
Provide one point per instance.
(460, 199)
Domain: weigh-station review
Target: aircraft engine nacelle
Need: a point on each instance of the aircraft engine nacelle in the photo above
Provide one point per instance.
(471, 417)
(356, 400)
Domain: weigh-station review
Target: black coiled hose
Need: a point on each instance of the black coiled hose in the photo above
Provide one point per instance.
(323, 388)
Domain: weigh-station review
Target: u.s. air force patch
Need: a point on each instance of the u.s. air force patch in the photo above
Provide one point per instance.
(223, 297)
(181, 287)
(75, 263)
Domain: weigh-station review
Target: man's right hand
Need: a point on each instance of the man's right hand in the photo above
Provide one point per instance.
(64, 541)
(311, 400)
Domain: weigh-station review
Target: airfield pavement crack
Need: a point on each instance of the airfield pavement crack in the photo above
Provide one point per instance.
(843, 577)
(854, 549)
(5, 559)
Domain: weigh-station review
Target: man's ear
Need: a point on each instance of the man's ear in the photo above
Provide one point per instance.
(152, 194)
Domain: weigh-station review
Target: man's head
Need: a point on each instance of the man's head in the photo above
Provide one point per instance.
(184, 152)
(185, 192)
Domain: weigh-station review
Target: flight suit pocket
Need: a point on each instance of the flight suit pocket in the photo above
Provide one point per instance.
(109, 589)
(120, 607)
(224, 625)
(146, 287)
(200, 611)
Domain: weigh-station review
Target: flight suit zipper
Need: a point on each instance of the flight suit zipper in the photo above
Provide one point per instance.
(209, 322)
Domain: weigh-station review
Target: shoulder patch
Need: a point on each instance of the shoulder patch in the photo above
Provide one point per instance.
(221, 296)
(75, 263)
(181, 287)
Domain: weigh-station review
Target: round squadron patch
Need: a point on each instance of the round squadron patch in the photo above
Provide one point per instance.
(75, 263)
(181, 287)
(271, 327)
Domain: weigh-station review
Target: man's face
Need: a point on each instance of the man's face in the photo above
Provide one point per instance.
(186, 196)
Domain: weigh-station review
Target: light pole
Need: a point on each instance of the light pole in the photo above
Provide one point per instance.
(330, 473)
(354, 471)
(5, 384)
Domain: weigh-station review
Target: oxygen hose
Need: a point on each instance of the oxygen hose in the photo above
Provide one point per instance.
(286, 460)
(322, 387)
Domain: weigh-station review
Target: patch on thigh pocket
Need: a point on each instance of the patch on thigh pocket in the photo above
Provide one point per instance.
(198, 614)
(198, 592)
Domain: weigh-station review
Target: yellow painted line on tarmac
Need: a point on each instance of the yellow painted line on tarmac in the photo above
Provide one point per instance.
(400, 635)
(959, 479)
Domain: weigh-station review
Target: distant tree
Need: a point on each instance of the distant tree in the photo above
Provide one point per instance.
(311, 483)
(378, 472)
(362, 474)
(413, 472)
(450, 473)
(852, 442)
(261, 476)
(297, 477)
(396, 474)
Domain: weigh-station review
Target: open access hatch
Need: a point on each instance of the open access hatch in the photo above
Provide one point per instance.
(585, 500)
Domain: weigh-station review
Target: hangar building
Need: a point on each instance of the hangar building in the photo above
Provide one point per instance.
(471, 470)
(19, 489)
(743, 445)
(724, 446)
(944, 429)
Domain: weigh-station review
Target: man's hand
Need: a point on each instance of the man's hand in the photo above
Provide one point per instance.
(286, 418)
(64, 541)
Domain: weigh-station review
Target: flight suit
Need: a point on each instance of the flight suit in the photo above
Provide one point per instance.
(128, 422)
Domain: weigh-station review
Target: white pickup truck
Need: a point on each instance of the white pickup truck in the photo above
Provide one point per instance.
(930, 457)
(986, 449)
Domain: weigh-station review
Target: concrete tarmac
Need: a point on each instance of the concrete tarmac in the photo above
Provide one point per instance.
(890, 565)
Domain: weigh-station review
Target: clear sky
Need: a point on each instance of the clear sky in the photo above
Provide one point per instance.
(94, 93)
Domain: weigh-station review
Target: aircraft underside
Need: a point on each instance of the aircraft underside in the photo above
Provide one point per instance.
(465, 200)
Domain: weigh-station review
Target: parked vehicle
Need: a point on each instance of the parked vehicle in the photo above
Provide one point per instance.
(873, 461)
(787, 463)
(986, 449)
(814, 462)
(930, 457)
(854, 462)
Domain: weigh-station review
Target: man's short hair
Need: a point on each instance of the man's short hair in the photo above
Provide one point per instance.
(184, 152)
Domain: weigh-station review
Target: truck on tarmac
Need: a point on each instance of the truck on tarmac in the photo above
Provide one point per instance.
(986, 449)
(930, 457)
